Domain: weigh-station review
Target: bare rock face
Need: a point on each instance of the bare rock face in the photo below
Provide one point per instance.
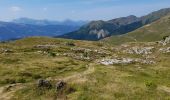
(44, 84)
(60, 85)
(100, 33)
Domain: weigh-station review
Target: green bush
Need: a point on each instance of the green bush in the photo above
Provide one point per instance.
(165, 37)
(52, 54)
(151, 85)
(85, 54)
(70, 43)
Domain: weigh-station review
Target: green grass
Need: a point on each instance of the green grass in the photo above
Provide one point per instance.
(25, 65)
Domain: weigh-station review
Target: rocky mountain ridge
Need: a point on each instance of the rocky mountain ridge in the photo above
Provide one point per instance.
(97, 30)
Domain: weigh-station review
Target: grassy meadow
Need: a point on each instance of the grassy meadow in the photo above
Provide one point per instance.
(23, 63)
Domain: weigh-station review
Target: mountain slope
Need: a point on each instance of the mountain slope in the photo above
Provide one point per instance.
(10, 31)
(97, 30)
(151, 32)
(155, 16)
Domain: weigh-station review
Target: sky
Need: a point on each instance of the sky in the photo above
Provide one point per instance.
(77, 9)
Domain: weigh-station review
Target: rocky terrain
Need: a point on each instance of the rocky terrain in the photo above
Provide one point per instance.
(59, 69)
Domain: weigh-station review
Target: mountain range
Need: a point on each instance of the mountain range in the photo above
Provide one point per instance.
(25, 27)
(129, 62)
(97, 30)
(148, 33)
(115, 30)
(68, 22)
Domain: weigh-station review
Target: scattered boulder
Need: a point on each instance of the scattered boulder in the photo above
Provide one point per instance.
(44, 83)
(165, 41)
(80, 50)
(60, 85)
(145, 61)
(70, 44)
(116, 61)
(107, 61)
(77, 56)
(139, 50)
(44, 46)
(101, 51)
(165, 50)
(3, 50)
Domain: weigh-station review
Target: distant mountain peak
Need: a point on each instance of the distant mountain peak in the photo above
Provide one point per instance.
(124, 20)
(97, 30)
(25, 20)
(153, 32)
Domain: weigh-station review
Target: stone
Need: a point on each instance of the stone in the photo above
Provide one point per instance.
(116, 61)
(44, 83)
(60, 85)
(165, 50)
(6, 50)
(107, 61)
(139, 50)
(70, 44)
(165, 41)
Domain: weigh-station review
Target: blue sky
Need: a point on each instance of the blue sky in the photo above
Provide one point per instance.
(77, 9)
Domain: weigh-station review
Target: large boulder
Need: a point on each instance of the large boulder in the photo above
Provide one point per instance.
(165, 41)
(44, 83)
(60, 85)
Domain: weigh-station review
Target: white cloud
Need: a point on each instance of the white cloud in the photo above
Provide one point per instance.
(15, 9)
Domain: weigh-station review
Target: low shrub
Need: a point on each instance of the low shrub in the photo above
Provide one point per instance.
(52, 54)
(151, 85)
(70, 43)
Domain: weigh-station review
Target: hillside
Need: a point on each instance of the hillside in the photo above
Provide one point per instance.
(97, 30)
(151, 32)
(42, 68)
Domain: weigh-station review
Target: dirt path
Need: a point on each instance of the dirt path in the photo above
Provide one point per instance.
(82, 75)
(6, 95)
(77, 77)
(164, 88)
